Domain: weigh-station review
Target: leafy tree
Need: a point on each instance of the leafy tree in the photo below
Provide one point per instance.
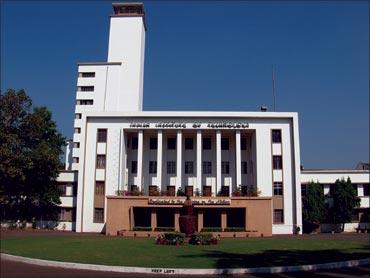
(30, 146)
(313, 206)
(344, 200)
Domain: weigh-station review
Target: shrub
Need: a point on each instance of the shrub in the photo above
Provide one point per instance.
(170, 239)
(164, 229)
(211, 229)
(234, 229)
(140, 228)
(203, 239)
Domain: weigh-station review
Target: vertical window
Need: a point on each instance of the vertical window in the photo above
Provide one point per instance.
(243, 143)
(207, 143)
(65, 214)
(276, 136)
(278, 188)
(188, 143)
(152, 167)
(303, 189)
(224, 144)
(207, 167)
(153, 143)
(171, 143)
(134, 143)
(63, 189)
(171, 167)
(366, 189)
(278, 216)
(133, 167)
(99, 215)
(225, 167)
(100, 161)
(189, 167)
(277, 162)
(102, 135)
(355, 188)
(99, 188)
(244, 167)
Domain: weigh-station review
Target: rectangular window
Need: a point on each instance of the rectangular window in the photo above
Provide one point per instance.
(98, 215)
(207, 143)
(133, 167)
(225, 144)
(63, 189)
(171, 167)
(189, 167)
(278, 216)
(78, 116)
(86, 74)
(244, 167)
(134, 143)
(99, 188)
(84, 102)
(152, 167)
(100, 161)
(102, 135)
(366, 189)
(153, 143)
(65, 214)
(207, 167)
(303, 189)
(276, 136)
(277, 162)
(86, 88)
(355, 188)
(76, 145)
(171, 143)
(225, 167)
(77, 130)
(278, 188)
(76, 160)
(243, 143)
(188, 143)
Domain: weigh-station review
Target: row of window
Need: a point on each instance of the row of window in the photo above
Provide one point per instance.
(189, 167)
(366, 189)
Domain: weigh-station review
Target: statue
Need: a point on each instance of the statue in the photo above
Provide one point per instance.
(187, 220)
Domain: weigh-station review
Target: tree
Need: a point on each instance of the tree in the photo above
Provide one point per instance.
(30, 146)
(313, 209)
(344, 200)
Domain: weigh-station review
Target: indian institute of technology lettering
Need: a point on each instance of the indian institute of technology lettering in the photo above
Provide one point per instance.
(130, 167)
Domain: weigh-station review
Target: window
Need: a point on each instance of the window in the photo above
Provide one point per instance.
(84, 102)
(134, 143)
(99, 215)
(133, 167)
(153, 143)
(100, 161)
(86, 74)
(225, 167)
(207, 167)
(86, 88)
(207, 144)
(99, 188)
(244, 167)
(76, 159)
(354, 186)
(76, 145)
(224, 144)
(366, 189)
(171, 167)
(77, 130)
(278, 216)
(277, 162)
(171, 143)
(65, 214)
(152, 167)
(78, 116)
(188, 143)
(276, 136)
(278, 188)
(243, 143)
(63, 189)
(189, 167)
(102, 135)
(304, 189)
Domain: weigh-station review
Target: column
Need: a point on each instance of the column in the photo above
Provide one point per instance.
(199, 160)
(238, 160)
(153, 219)
(177, 223)
(200, 220)
(140, 159)
(179, 160)
(223, 220)
(159, 159)
(218, 161)
(122, 169)
(132, 219)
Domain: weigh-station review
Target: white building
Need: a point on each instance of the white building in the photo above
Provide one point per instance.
(245, 165)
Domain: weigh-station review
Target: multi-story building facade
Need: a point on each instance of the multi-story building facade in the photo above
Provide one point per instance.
(131, 167)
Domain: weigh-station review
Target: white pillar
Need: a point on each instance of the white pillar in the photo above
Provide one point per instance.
(122, 170)
(140, 160)
(218, 161)
(179, 160)
(159, 159)
(199, 160)
(238, 160)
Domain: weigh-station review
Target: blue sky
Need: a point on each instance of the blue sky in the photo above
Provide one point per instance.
(211, 56)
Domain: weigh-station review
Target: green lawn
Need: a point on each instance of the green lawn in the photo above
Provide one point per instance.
(252, 252)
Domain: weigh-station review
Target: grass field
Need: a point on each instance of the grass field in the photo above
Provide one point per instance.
(252, 252)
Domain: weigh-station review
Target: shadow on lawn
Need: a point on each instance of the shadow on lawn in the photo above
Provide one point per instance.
(282, 257)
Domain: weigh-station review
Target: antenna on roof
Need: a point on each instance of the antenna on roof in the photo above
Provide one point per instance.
(273, 89)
